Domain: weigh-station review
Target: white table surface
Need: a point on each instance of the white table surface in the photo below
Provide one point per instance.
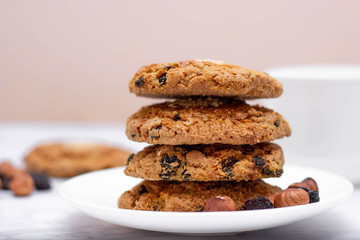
(44, 215)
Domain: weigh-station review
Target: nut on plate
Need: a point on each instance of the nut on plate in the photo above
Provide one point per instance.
(272, 197)
(308, 183)
(220, 203)
(291, 197)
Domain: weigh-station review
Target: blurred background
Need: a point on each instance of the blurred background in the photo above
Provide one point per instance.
(70, 61)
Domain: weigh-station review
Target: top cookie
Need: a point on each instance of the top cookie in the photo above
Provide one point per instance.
(203, 78)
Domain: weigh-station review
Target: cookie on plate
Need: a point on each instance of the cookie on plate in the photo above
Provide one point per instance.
(203, 78)
(208, 120)
(207, 162)
(73, 158)
(174, 196)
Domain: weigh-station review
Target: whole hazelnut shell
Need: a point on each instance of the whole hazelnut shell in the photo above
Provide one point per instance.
(291, 197)
(220, 203)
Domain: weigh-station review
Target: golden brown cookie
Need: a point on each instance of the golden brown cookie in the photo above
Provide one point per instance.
(190, 196)
(203, 78)
(207, 162)
(73, 158)
(206, 121)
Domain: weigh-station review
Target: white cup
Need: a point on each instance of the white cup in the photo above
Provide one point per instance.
(322, 105)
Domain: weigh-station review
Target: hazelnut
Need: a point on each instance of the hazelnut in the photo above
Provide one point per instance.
(220, 203)
(291, 197)
(311, 184)
(298, 185)
(307, 183)
(272, 197)
(7, 170)
(22, 184)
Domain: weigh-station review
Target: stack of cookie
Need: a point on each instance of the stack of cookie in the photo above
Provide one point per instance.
(208, 141)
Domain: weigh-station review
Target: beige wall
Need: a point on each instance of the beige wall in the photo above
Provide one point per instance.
(71, 60)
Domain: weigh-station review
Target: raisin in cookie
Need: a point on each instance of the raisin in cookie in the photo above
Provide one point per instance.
(203, 78)
(207, 162)
(190, 196)
(206, 121)
(73, 158)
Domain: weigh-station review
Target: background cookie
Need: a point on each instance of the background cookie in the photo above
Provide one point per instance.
(203, 78)
(206, 121)
(73, 158)
(207, 162)
(190, 196)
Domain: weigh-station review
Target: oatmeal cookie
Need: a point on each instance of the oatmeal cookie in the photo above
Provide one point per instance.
(207, 162)
(73, 158)
(190, 196)
(208, 120)
(203, 78)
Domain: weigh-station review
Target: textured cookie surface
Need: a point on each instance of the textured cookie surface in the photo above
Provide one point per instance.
(71, 159)
(207, 162)
(206, 121)
(203, 78)
(190, 196)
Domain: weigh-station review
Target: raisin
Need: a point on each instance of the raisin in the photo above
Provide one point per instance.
(168, 67)
(162, 80)
(227, 166)
(185, 175)
(41, 181)
(167, 175)
(142, 189)
(155, 134)
(259, 161)
(177, 117)
(5, 183)
(167, 162)
(268, 172)
(199, 208)
(152, 137)
(277, 123)
(140, 82)
(130, 158)
(278, 172)
(313, 195)
(260, 202)
(133, 135)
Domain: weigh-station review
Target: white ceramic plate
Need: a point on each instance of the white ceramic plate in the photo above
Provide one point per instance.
(96, 194)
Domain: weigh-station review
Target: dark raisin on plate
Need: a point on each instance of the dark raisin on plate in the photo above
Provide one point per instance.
(313, 195)
(260, 202)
